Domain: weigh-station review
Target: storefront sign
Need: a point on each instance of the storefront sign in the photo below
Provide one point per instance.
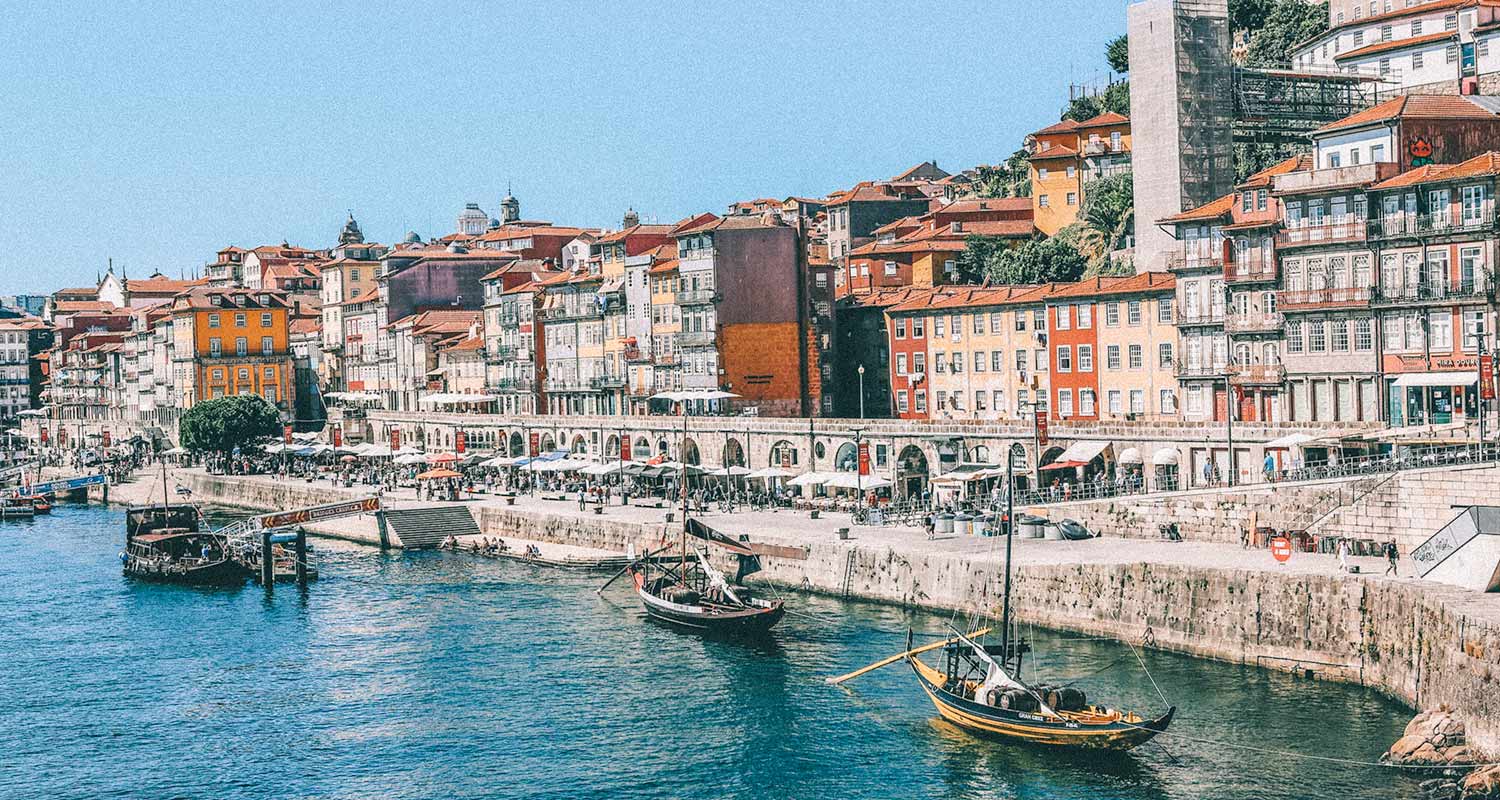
(460, 440)
(1487, 378)
(625, 448)
(536, 444)
(864, 458)
(1281, 548)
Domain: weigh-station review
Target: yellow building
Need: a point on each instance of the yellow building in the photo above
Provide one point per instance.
(230, 342)
(1065, 157)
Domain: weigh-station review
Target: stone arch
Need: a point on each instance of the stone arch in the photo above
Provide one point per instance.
(787, 449)
(980, 454)
(734, 453)
(912, 471)
(580, 444)
(612, 447)
(1050, 456)
(517, 445)
(690, 452)
(846, 458)
(643, 446)
(548, 443)
(662, 448)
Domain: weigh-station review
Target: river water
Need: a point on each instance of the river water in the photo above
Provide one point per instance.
(433, 675)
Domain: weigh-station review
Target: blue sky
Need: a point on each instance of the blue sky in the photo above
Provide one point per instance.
(156, 135)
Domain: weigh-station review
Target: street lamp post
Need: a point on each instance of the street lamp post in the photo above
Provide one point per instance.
(1230, 403)
(859, 478)
(861, 391)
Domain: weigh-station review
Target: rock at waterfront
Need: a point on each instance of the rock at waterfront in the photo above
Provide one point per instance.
(1432, 738)
(1482, 784)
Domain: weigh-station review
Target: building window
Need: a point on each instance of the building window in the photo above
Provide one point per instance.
(1164, 354)
(917, 331)
(1041, 173)
(1065, 402)
(1450, 53)
(241, 347)
(1086, 402)
(1085, 358)
(1072, 171)
(1385, 33)
(997, 361)
(1112, 357)
(1064, 318)
(1168, 401)
(213, 320)
(1416, 60)
(942, 400)
(919, 363)
(1072, 198)
(999, 395)
(1440, 330)
(1363, 339)
(979, 401)
(1317, 341)
(939, 363)
(995, 322)
(239, 319)
(1195, 399)
(1085, 315)
(1416, 27)
(900, 363)
(978, 323)
(939, 326)
(958, 362)
(1116, 405)
(921, 401)
(1340, 337)
(1137, 356)
(900, 329)
(1039, 319)
(1043, 201)
(890, 269)
(265, 319)
(979, 361)
(1064, 359)
(1450, 22)
(266, 346)
(1133, 313)
(1294, 336)
(901, 402)
(1111, 315)
(1021, 361)
(1164, 311)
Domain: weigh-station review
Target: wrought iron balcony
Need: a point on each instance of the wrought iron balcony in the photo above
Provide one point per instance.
(697, 297)
(1262, 271)
(1314, 299)
(1257, 374)
(607, 382)
(1477, 289)
(576, 312)
(697, 338)
(1197, 259)
(1187, 317)
(1253, 322)
(1350, 230)
(1185, 370)
(1417, 226)
(514, 385)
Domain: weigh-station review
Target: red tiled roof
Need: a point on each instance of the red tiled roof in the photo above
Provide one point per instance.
(160, 284)
(1207, 211)
(506, 232)
(977, 205)
(1058, 151)
(638, 230)
(975, 296)
(1129, 284)
(440, 321)
(1482, 165)
(303, 325)
(82, 305)
(868, 192)
(884, 297)
(1396, 44)
(368, 296)
(1414, 106)
(1105, 119)
(1297, 163)
(1062, 126)
(1424, 8)
(470, 343)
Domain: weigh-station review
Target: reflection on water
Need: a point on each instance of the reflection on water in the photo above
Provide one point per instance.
(431, 675)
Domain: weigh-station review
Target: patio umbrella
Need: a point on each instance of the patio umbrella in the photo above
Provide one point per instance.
(771, 472)
(347, 459)
(441, 472)
(442, 458)
(410, 458)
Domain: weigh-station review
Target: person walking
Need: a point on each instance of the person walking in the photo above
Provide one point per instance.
(1391, 556)
(1344, 554)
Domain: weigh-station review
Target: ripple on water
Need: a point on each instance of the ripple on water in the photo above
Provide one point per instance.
(430, 675)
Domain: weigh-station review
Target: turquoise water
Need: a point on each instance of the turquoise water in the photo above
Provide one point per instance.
(432, 675)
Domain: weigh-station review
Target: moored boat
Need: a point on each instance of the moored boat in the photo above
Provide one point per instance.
(15, 507)
(692, 594)
(167, 543)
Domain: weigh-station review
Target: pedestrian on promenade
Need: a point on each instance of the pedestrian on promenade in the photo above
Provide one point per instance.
(929, 522)
(1344, 554)
(1270, 468)
(1391, 556)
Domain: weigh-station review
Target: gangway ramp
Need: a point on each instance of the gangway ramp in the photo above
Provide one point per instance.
(1465, 552)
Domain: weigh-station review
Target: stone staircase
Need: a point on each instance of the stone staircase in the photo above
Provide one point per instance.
(1410, 506)
(426, 527)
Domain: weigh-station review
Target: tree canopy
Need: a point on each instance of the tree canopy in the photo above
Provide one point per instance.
(226, 423)
(1115, 97)
(1117, 53)
(1036, 261)
(1107, 220)
(1009, 179)
(1283, 25)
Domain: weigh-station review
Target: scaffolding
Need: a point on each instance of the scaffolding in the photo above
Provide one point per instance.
(1278, 106)
(1205, 110)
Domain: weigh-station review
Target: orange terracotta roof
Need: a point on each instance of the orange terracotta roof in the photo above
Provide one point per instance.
(1056, 151)
(904, 222)
(469, 344)
(1415, 106)
(1062, 126)
(202, 298)
(975, 297)
(1424, 8)
(304, 325)
(638, 230)
(160, 284)
(868, 192)
(885, 297)
(1103, 120)
(1128, 284)
(1211, 210)
(368, 296)
(1396, 44)
(507, 232)
(1480, 166)
(1001, 227)
(82, 305)
(663, 266)
(440, 321)
(982, 204)
(1297, 163)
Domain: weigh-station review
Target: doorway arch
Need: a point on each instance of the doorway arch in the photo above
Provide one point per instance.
(734, 454)
(911, 471)
(847, 458)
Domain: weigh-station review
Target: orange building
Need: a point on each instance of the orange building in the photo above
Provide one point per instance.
(1066, 156)
(229, 342)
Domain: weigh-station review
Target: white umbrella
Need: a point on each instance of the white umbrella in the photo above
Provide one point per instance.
(771, 472)
(851, 480)
(694, 394)
(176, 451)
(601, 469)
(376, 451)
(809, 479)
(408, 450)
(1290, 440)
(411, 458)
(730, 472)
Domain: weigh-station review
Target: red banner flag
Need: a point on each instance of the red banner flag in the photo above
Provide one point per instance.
(1487, 377)
(864, 458)
(395, 439)
(536, 444)
(338, 436)
(625, 448)
(106, 438)
(1041, 426)
(45, 433)
(459, 441)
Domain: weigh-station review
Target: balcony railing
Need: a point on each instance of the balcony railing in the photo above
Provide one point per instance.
(697, 338)
(1398, 226)
(1250, 271)
(1348, 177)
(666, 358)
(1350, 230)
(1102, 147)
(607, 382)
(1253, 322)
(514, 384)
(1190, 317)
(1473, 289)
(1184, 370)
(1257, 374)
(504, 352)
(579, 311)
(1204, 259)
(697, 297)
(1344, 297)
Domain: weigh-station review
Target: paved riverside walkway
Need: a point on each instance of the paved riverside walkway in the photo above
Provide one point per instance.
(789, 527)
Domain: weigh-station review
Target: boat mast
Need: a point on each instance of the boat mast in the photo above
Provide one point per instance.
(682, 460)
(1010, 534)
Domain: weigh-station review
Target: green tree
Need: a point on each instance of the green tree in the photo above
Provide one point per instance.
(1083, 107)
(222, 425)
(1009, 179)
(1117, 53)
(1106, 221)
(994, 260)
(1286, 24)
(1117, 98)
(1250, 14)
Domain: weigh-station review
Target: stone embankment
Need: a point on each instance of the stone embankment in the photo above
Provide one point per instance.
(1423, 643)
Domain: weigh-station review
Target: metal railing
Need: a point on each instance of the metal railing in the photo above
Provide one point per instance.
(1415, 225)
(1195, 260)
(1250, 272)
(1200, 370)
(1249, 323)
(607, 382)
(697, 338)
(1472, 289)
(1351, 230)
(1342, 297)
(697, 297)
(1187, 316)
(1257, 374)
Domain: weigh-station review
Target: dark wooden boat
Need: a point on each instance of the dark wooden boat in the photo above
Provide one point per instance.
(15, 507)
(979, 688)
(690, 593)
(41, 504)
(167, 543)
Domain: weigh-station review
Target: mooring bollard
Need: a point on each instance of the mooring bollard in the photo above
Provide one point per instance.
(267, 562)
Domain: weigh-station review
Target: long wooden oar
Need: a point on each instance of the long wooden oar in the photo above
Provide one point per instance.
(626, 568)
(893, 659)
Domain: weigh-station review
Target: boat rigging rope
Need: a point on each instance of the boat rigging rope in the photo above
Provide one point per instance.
(1142, 661)
(1271, 751)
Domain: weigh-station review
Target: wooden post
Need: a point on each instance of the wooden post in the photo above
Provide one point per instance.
(302, 557)
(267, 561)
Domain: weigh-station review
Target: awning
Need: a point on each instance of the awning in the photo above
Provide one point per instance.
(1166, 457)
(1290, 440)
(1079, 454)
(612, 285)
(1131, 455)
(1437, 379)
(850, 480)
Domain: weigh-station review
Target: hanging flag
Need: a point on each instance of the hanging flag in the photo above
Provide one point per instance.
(338, 436)
(395, 439)
(864, 458)
(286, 434)
(624, 448)
(1041, 426)
(1487, 377)
(459, 441)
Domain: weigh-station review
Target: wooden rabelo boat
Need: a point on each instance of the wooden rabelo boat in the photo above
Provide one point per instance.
(978, 688)
(685, 590)
(168, 543)
(17, 507)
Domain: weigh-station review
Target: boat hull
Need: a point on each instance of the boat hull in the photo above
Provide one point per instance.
(736, 622)
(218, 573)
(1016, 726)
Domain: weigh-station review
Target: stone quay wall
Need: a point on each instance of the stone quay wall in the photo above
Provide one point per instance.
(1423, 644)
